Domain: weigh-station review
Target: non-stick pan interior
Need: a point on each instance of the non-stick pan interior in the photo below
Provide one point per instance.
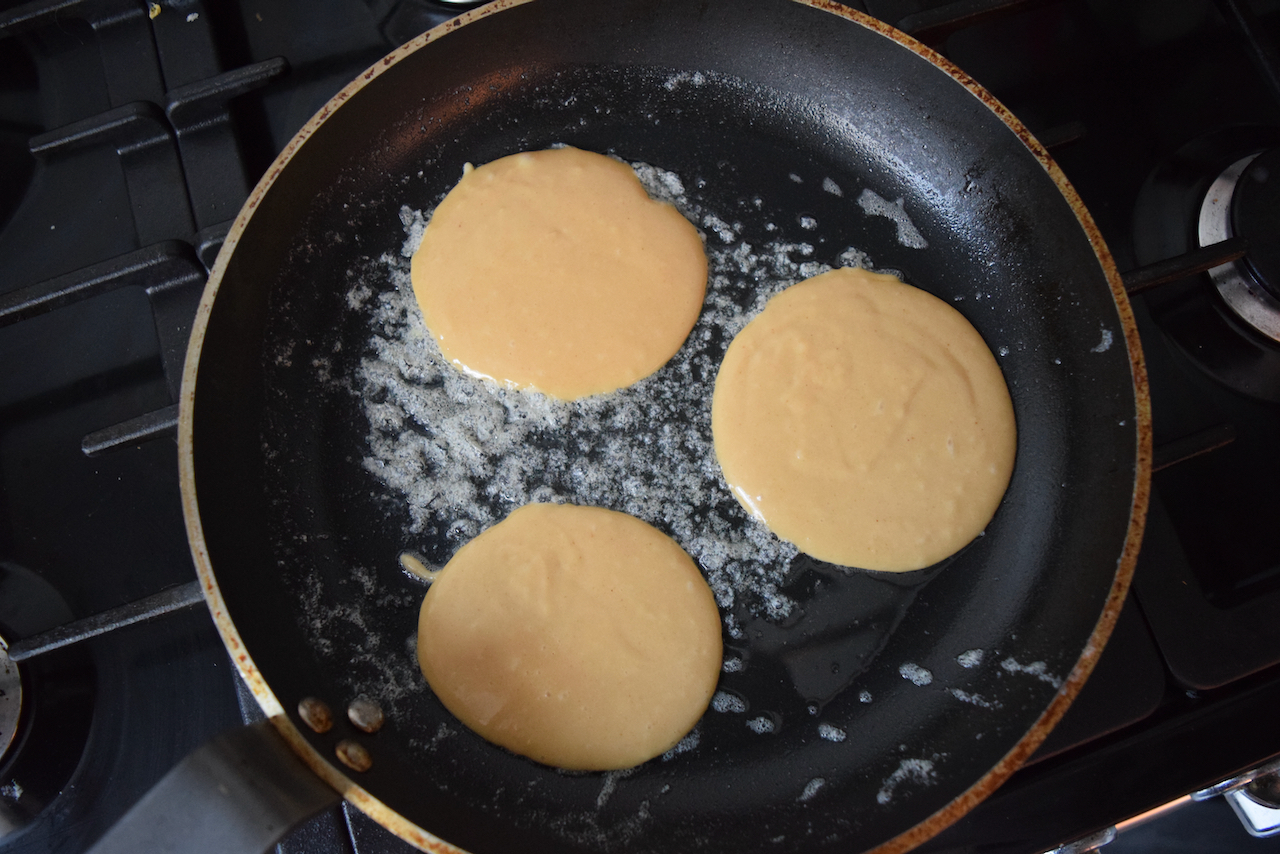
(864, 705)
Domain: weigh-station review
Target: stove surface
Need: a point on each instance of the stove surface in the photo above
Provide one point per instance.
(131, 132)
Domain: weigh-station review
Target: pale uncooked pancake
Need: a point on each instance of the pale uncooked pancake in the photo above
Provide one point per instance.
(555, 270)
(580, 637)
(866, 421)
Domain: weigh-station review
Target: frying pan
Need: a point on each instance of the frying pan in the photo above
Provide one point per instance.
(878, 709)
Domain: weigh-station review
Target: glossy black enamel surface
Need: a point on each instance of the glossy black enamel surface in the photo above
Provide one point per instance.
(787, 91)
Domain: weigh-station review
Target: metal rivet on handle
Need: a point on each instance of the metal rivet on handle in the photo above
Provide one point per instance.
(315, 714)
(365, 714)
(353, 755)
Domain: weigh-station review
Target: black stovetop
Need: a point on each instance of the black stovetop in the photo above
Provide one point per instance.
(130, 133)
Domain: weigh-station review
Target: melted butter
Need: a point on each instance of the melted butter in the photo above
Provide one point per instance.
(554, 270)
(866, 421)
(580, 637)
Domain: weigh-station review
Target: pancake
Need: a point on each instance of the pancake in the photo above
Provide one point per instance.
(554, 270)
(865, 421)
(579, 637)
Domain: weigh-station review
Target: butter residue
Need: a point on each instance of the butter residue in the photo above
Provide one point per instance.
(875, 205)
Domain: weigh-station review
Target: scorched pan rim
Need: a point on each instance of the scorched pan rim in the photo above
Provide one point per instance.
(1105, 602)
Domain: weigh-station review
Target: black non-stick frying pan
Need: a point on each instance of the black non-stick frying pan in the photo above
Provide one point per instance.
(877, 709)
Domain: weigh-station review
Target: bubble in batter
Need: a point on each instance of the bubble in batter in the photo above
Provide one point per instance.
(554, 270)
(865, 421)
(580, 637)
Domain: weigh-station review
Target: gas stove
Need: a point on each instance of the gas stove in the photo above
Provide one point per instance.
(131, 133)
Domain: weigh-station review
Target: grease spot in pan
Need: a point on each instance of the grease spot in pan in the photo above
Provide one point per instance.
(915, 674)
(973, 699)
(811, 788)
(918, 771)
(727, 703)
(722, 229)
(675, 81)
(684, 745)
(874, 205)
(831, 732)
(1035, 668)
(610, 785)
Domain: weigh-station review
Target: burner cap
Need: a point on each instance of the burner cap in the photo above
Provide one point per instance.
(1236, 281)
(1255, 216)
(1225, 326)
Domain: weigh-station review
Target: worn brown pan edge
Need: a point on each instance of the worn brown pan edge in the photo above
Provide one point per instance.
(1142, 479)
(926, 829)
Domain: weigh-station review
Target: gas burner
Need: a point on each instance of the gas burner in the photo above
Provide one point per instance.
(1242, 201)
(1227, 322)
(45, 707)
(10, 699)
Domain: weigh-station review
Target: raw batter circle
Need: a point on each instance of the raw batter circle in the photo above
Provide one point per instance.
(580, 637)
(554, 270)
(865, 421)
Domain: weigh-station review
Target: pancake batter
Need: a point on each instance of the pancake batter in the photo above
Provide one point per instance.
(865, 421)
(554, 270)
(580, 637)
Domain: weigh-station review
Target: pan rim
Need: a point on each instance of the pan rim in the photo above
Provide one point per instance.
(1127, 563)
(249, 672)
(935, 823)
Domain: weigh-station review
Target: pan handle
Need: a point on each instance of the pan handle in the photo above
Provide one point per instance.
(239, 793)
